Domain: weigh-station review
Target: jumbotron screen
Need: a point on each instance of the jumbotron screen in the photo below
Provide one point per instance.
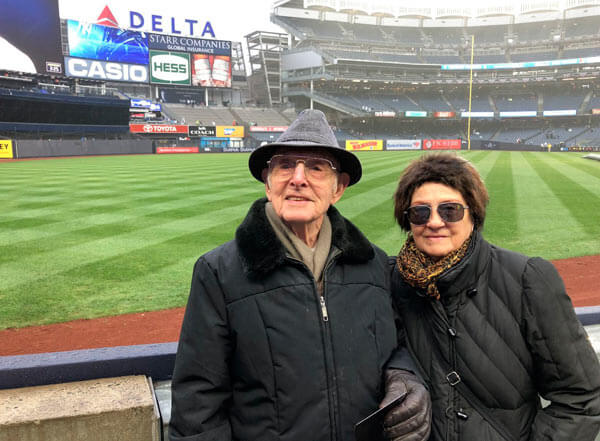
(106, 43)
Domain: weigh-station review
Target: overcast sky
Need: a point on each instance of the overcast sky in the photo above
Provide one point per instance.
(232, 20)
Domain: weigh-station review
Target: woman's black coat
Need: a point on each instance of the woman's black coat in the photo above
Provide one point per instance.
(507, 327)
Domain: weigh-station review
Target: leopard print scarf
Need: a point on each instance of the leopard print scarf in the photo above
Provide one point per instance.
(421, 271)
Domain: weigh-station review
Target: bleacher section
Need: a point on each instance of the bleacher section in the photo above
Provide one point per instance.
(536, 32)
(516, 102)
(488, 35)
(261, 117)
(537, 56)
(563, 99)
(452, 37)
(580, 52)
(581, 28)
(214, 116)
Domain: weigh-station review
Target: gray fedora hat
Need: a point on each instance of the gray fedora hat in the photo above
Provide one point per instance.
(310, 129)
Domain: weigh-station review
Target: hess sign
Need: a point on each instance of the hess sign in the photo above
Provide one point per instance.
(169, 68)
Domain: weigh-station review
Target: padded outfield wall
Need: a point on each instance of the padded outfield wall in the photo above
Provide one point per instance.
(67, 147)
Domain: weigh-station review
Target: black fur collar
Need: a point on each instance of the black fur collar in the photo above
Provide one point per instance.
(262, 252)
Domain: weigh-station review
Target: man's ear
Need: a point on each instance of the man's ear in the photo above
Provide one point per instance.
(265, 177)
(342, 184)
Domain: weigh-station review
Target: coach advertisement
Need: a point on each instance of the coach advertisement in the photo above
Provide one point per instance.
(364, 144)
(6, 149)
(200, 131)
(441, 144)
(403, 144)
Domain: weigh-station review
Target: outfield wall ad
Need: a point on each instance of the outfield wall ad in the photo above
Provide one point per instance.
(6, 149)
(403, 144)
(364, 144)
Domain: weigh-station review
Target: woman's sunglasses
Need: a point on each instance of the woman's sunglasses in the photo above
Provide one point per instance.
(448, 211)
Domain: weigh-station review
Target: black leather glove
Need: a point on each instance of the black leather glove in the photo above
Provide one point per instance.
(409, 420)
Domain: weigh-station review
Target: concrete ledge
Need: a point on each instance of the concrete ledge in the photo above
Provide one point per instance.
(154, 360)
(96, 410)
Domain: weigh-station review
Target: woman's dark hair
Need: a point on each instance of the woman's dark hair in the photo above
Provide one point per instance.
(443, 168)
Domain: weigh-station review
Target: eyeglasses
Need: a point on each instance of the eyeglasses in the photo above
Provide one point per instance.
(448, 211)
(283, 166)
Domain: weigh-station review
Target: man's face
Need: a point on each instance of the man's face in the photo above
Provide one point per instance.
(301, 189)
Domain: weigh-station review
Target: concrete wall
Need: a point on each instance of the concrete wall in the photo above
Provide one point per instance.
(108, 409)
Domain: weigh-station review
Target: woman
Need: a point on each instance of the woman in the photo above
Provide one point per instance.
(491, 330)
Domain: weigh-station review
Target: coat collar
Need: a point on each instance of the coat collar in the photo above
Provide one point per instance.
(468, 270)
(262, 252)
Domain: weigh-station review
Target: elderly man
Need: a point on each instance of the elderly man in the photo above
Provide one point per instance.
(289, 329)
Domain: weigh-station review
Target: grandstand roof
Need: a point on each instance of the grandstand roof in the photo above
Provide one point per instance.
(437, 9)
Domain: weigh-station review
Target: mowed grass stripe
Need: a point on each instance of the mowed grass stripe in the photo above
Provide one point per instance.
(104, 213)
(547, 227)
(52, 262)
(501, 218)
(127, 195)
(579, 200)
(21, 249)
(574, 172)
(111, 285)
(578, 161)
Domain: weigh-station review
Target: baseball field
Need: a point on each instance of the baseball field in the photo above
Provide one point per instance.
(100, 236)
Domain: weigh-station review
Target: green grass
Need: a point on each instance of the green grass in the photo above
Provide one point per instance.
(90, 237)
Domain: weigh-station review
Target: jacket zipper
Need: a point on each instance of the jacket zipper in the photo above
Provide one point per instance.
(329, 360)
(328, 349)
(323, 308)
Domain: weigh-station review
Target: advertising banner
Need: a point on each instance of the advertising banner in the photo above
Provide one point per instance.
(595, 111)
(163, 150)
(200, 131)
(158, 129)
(106, 43)
(230, 131)
(441, 144)
(569, 112)
(362, 144)
(211, 70)
(189, 44)
(477, 114)
(415, 114)
(444, 114)
(403, 144)
(157, 16)
(518, 114)
(268, 128)
(6, 149)
(30, 36)
(385, 114)
(103, 70)
(169, 68)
